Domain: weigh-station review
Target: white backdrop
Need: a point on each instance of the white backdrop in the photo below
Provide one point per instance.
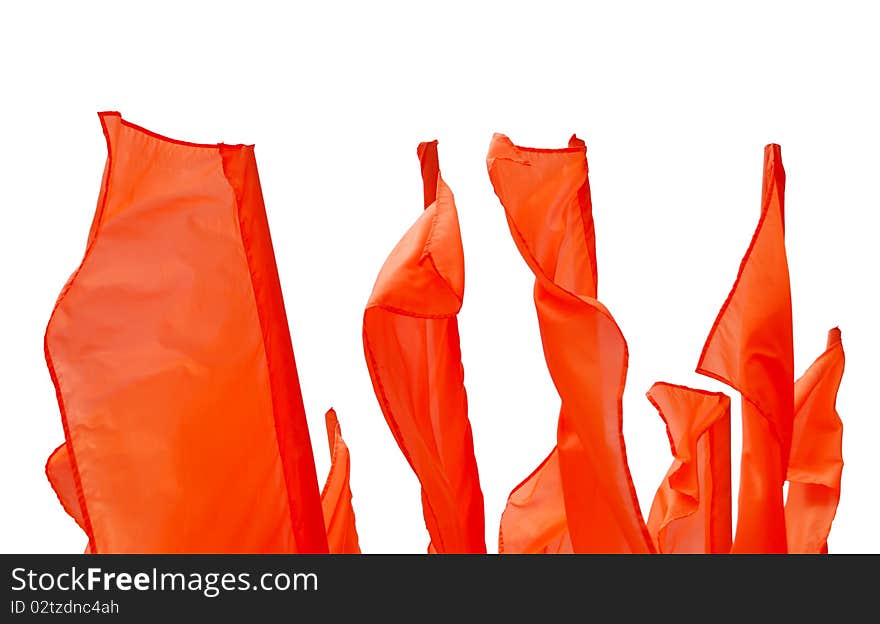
(675, 101)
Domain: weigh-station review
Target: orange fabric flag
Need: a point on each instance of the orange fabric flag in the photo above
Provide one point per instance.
(171, 357)
(691, 512)
(546, 197)
(342, 536)
(750, 349)
(412, 351)
(816, 460)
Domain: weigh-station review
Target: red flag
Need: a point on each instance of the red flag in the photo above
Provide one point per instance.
(342, 536)
(816, 460)
(171, 357)
(691, 511)
(412, 350)
(546, 197)
(750, 349)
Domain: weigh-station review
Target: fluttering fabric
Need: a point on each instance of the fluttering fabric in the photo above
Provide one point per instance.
(691, 510)
(816, 461)
(546, 198)
(172, 361)
(184, 422)
(750, 348)
(411, 345)
(342, 537)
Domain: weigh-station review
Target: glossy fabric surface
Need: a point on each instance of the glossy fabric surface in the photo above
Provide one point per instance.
(750, 348)
(411, 345)
(173, 365)
(342, 537)
(546, 198)
(691, 510)
(816, 462)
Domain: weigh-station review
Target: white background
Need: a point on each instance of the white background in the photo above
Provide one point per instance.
(675, 101)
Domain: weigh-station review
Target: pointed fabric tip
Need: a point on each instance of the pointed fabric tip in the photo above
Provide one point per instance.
(834, 337)
(331, 422)
(691, 512)
(773, 184)
(574, 141)
(502, 148)
(430, 165)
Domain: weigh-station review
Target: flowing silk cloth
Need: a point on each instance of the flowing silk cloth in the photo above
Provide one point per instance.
(691, 510)
(411, 345)
(581, 498)
(184, 423)
(750, 348)
(171, 357)
(816, 461)
(342, 537)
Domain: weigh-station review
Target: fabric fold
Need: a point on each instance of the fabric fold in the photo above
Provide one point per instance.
(816, 461)
(546, 198)
(411, 346)
(691, 512)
